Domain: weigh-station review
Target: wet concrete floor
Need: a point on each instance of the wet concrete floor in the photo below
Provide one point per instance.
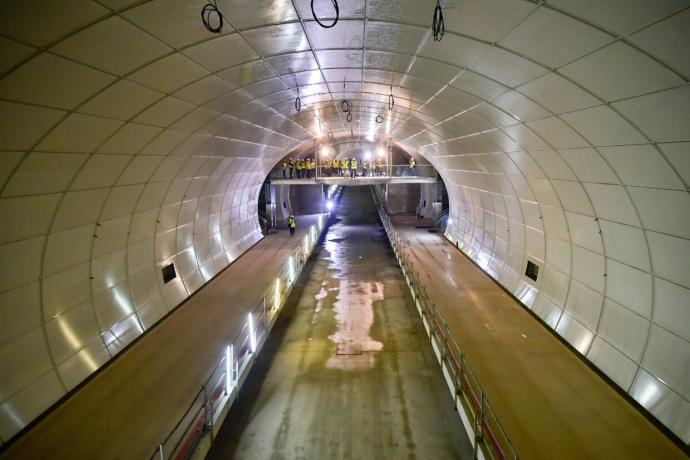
(348, 372)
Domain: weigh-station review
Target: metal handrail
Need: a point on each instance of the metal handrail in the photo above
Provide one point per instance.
(201, 413)
(388, 171)
(489, 434)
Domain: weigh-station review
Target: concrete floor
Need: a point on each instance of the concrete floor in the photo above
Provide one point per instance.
(348, 372)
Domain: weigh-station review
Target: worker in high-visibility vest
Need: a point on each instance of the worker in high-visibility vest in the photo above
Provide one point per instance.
(292, 224)
(298, 167)
(285, 168)
(291, 164)
(344, 166)
(353, 168)
(312, 168)
(329, 167)
(336, 167)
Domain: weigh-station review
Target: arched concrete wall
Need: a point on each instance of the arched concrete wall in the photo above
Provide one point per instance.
(561, 129)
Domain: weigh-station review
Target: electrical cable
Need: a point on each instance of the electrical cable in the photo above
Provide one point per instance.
(337, 15)
(345, 106)
(208, 12)
(349, 117)
(438, 26)
(298, 100)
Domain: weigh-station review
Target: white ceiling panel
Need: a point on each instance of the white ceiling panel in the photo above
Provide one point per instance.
(553, 39)
(277, 39)
(113, 45)
(621, 71)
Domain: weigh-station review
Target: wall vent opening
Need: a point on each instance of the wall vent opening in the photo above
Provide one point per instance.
(532, 271)
(169, 273)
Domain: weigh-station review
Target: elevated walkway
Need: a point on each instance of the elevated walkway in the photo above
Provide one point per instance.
(550, 404)
(358, 180)
(134, 405)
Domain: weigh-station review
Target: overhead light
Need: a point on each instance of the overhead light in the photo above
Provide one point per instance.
(330, 205)
(325, 151)
(380, 151)
(367, 156)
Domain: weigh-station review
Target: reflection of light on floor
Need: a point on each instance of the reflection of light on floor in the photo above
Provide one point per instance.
(353, 307)
(323, 293)
(354, 314)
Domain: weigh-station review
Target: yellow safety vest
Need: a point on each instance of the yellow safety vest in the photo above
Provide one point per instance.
(354, 164)
(345, 163)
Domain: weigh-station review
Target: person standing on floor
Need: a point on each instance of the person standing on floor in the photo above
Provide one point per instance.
(345, 166)
(285, 168)
(353, 168)
(291, 164)
(413, 163)
(292, 224)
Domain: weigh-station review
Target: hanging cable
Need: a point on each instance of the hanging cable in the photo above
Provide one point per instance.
(391, 100)
(349, 117)
(345, 106)
(208, 13)
(438, 27)
(298, 101)
(337, 15)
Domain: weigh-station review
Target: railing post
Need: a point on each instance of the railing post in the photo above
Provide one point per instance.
(479, 425)
(161, 455)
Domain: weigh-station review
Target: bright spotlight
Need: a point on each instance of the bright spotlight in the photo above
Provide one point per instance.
(380, 151)
(450, 221)
(330, 205)
(367, 156)
(325, 151)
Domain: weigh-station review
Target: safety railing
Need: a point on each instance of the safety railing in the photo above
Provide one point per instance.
(220, 388)
(470, 400)
(384, 172)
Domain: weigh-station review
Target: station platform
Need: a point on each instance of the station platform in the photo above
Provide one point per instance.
(358, 180)
(550, 403)
(128, 408)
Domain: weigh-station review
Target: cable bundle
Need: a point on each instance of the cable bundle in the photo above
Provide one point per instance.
(345, 106)
(208, 12)
(438, 27)
(337, 15)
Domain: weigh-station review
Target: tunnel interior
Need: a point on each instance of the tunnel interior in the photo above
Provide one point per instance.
(134, 139)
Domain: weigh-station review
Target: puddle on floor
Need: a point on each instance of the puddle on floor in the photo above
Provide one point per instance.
(353, 306)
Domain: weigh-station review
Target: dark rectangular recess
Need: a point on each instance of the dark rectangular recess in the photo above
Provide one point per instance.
(169, 273)
(532, 271)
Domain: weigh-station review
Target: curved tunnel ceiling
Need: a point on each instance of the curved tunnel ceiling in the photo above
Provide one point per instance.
(132, 137)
